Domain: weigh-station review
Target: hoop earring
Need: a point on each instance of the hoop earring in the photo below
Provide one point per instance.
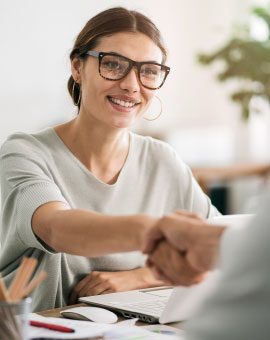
(161, 109)
(72, 94)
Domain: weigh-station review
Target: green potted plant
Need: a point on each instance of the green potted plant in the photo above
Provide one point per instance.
(248, 59)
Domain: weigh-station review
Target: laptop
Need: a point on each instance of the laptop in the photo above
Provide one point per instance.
(164, 304)
(160, 304)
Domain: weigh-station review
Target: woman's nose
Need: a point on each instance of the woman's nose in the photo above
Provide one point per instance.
(131, 81)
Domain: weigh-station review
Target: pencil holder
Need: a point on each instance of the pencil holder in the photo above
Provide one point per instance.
(14, 321)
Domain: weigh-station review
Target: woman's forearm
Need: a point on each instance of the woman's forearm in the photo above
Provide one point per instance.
(86, 233)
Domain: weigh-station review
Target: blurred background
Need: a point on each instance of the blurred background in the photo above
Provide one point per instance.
(226, 142)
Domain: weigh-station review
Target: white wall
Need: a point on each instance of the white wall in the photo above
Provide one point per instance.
(37, 35)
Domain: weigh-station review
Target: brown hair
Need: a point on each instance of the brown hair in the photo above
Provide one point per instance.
(108, 22)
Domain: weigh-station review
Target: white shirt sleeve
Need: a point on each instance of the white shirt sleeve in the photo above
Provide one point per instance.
(239, 308)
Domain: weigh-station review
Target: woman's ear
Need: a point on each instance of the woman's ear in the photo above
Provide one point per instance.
(76, 69)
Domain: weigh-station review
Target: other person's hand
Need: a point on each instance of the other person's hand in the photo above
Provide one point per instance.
(171, 266)
(195, 240)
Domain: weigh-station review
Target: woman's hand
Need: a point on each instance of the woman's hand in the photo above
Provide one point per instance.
(97, 283)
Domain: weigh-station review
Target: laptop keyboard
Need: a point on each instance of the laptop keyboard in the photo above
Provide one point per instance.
(150, 307)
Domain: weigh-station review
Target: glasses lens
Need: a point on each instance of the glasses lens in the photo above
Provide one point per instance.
(152, 75)
(113, 67)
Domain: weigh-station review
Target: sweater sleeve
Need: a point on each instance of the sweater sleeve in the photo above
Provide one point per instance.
(199, 201)
(26, 184)
(192, 196)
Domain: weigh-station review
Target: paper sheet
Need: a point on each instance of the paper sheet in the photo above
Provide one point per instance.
(124, 330)
(83, 329)
(164, 329)
(137, 333)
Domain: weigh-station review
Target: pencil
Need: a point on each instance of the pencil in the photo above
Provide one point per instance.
(16, 281)
(22, 277)
(19, 288)
(28, 289)
(7, 316)
(4, 296)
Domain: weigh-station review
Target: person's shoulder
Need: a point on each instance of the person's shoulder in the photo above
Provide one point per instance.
(21, 142)
(152, 144)
(157, 153)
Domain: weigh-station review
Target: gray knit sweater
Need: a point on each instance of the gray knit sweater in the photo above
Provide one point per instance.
(39, 168)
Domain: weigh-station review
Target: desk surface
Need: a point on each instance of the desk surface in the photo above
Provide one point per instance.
(56, 314)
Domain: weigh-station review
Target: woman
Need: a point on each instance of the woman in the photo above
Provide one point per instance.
(77, 192)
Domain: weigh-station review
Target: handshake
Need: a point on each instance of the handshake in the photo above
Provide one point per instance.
(182, 247)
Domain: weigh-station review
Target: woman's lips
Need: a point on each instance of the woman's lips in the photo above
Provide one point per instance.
(122, 104)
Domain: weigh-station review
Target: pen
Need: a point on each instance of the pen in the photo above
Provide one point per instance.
(51, 326)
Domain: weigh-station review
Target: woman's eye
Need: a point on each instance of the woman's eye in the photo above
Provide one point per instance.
(112, 65)
(150, 72)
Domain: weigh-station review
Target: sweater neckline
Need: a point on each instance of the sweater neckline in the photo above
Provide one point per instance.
(84, 168)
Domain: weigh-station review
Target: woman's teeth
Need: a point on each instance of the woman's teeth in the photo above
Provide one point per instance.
(121, 102)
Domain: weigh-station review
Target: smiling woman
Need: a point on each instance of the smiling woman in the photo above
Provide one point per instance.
(79, 195)
(112, 90)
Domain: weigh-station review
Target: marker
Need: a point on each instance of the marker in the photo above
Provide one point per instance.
(52, 327)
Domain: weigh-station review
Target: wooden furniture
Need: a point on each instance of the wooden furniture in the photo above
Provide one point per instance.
(206, 176)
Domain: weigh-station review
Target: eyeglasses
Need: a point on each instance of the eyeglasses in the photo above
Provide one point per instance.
(115, 67)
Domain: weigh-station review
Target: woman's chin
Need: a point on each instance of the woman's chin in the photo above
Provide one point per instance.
(122, 123)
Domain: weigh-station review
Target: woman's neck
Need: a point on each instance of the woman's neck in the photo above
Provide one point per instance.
(101, 149)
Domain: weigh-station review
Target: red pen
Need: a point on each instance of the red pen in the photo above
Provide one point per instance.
(51, 326)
